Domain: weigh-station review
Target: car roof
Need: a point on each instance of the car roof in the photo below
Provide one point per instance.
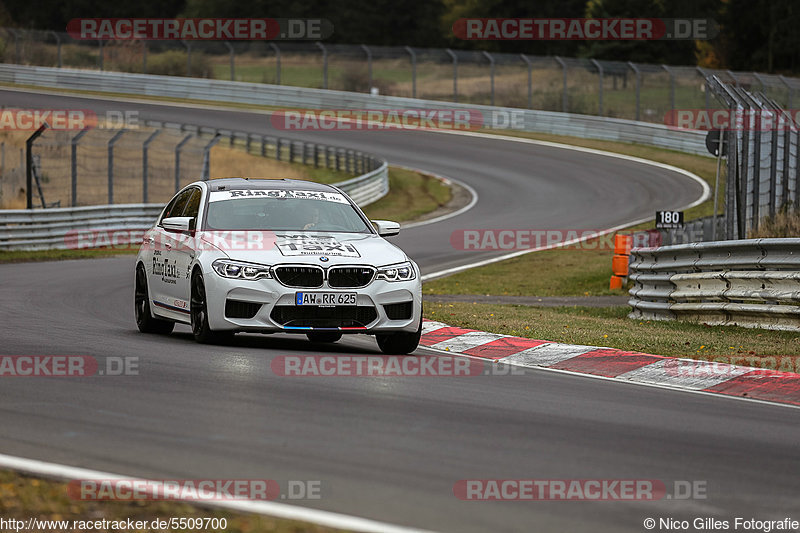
(222, 184)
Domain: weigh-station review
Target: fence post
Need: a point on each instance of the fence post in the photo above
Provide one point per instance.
(488, 56)
(530, 79)
(144, 57)
(454, 57)
(369, 66)
(232, 59)
(277, 62)
(413, 71)
(58, 46)
(17, 55)
(788, 86)
(111, 143)
(74, 164)
(564, 89)
(707, 90)
(188, 46)
(205, 173)
(29, 165)
(145, 147)
(638, 75)
(600, 86)
(324, 64)
(671, 87)
(178, 149)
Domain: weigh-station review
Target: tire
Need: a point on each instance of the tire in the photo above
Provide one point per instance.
(198, 310)
(402, 343)
(324, 336)
(141, 300)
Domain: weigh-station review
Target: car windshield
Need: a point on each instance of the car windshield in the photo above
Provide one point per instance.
(282, 210)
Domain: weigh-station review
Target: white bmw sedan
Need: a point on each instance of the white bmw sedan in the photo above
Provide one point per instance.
(254, 255)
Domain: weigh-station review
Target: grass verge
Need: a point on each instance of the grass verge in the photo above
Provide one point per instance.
(23, 497)
(609, 326)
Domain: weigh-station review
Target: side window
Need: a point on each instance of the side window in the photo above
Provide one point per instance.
(193, 205)
(177, 205)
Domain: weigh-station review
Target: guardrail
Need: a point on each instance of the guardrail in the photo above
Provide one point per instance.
(116, 225)
(58, 228)
(751, 283)
(587, 126)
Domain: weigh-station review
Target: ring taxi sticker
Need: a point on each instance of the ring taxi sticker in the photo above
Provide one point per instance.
(234, 194)
(294, 245)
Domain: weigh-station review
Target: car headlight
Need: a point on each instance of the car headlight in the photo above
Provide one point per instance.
(398, 272)
(228, 268)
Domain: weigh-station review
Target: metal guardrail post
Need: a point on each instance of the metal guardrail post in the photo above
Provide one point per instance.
(206, 171)
(29, 165)
(145, 164)
(488, 56)
(58, 46)
(277, 62)
(599, 67)
(563, 64)
(671, 87)
(413, 71)
(369, 66)
(454, 57)
(324, 64)
(530, 79)
(232, 59)
(111, 142)
(178, 149)
(74, 165)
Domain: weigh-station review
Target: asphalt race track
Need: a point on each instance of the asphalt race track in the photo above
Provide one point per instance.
(388, 448)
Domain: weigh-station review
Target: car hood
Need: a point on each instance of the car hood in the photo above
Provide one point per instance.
(317, 248)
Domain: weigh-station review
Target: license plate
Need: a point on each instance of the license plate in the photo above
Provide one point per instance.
(326, 299)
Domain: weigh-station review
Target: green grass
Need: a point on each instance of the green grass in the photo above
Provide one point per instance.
(573, 271)
(23, 497)
(411, 195)
(609, 326)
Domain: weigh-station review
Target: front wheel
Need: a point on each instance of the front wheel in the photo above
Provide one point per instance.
(199, 314)
(144, 319)
(401, 343)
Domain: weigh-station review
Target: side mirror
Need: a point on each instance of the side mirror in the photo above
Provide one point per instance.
(386, 228)
(178, 224)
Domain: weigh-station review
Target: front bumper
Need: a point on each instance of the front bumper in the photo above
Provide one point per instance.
(267, 306)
